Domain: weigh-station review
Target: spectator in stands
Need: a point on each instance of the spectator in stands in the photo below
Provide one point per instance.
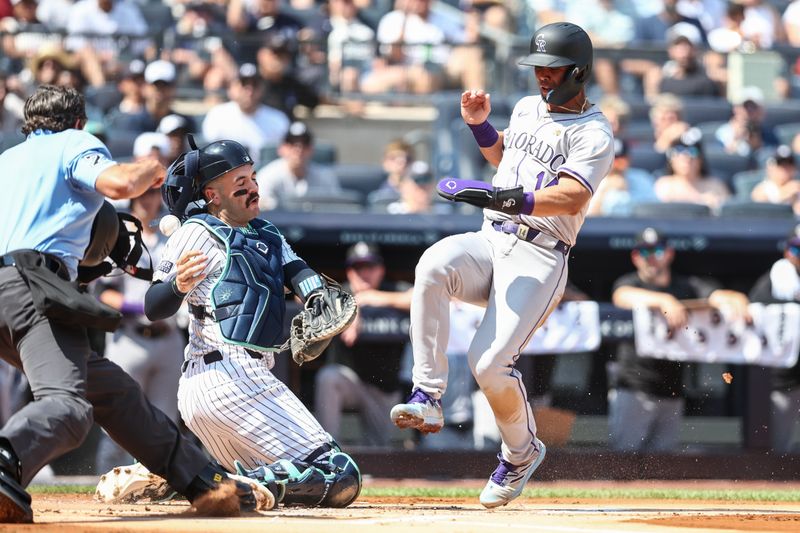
(350, 46)
(782, 284)
(617, 111)
(244, 118)
(152, 145)
(414, 193)
(256, 19)
(24, 34)
(159, 97)
(791, 23)
(415, 55)
(11, 116)
(608, 28)
(113, 18)
(652, 30)
(397, 158)
(646, 394)
(283, 89)
(623, 187)
(781, 184)
(151, 352)
(762, 23)
(131, 87)
(684, 74)
(687, 178)
(666, 116)
(176, 128)
(745, 133)
(293, 174)
(730, 36)
(363, 374)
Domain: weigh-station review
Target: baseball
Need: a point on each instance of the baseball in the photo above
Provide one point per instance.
(169, 224)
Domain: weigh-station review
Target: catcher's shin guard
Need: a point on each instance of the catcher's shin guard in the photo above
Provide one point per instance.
(332, 482)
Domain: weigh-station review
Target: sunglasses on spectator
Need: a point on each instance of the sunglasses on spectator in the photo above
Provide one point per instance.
(794, 249)
(691, 151)
(657, 251)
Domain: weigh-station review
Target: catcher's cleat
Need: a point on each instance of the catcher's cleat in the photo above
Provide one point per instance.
(507, 480)
(15, 502)
(420, 412)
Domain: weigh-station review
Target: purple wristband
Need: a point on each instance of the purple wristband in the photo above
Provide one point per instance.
(528, 203)
(132, 308)
(484, 134)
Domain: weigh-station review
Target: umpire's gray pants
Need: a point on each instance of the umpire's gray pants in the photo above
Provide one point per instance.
(642, 422)
(70, 385)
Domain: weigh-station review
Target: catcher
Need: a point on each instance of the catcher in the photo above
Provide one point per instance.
(233, 268)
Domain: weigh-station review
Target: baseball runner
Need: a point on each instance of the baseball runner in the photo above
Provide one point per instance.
(551, 158)
(231, 268)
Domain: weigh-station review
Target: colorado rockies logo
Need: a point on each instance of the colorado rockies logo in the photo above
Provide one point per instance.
(540, 44)
(451, 184)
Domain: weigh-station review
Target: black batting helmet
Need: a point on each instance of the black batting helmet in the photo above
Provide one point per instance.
(188, 175)
(562, 44)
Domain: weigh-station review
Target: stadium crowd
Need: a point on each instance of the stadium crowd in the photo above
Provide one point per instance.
(694, 126)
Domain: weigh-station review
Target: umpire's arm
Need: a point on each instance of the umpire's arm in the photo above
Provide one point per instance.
(129, 180)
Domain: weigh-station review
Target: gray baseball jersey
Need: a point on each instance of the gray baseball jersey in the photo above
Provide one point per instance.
(539, 144)
(518, 282)
(236, 406)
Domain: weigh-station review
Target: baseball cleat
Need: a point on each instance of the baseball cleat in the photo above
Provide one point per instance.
(420, 412)
(507, 480)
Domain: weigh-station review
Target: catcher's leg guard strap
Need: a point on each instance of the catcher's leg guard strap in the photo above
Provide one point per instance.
(332, 482)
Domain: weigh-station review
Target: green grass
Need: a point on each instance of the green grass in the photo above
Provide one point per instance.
(599, 494)
(61, 489)
(545, 493)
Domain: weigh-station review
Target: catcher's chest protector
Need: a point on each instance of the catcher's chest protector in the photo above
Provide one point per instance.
(248, 300)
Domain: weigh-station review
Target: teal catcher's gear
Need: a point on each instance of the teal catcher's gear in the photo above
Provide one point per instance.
(334, 481)
(248, 299)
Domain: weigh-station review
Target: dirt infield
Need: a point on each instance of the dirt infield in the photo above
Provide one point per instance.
(79, 513)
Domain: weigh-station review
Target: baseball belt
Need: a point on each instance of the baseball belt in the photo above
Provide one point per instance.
(215, 357)
(534, 236)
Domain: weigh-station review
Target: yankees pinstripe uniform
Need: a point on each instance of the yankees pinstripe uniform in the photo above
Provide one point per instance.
(227, 394)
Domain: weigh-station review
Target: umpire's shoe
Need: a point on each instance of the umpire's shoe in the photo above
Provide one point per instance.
(15, 502)
(507, 480)
(420, 412)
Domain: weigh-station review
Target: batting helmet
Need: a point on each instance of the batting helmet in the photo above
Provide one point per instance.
(562, 44)
(189, 174)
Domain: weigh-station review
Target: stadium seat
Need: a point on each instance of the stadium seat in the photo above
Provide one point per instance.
(671, 210)
(778, 113)
(698, 110)
(324, 153)
(787, 132)
(724, 165)
(744, 183)
(709, 131)
(745, 209)
(647, 158)
(346, 201)
(120, 142)
(363, 178)
(638, 131)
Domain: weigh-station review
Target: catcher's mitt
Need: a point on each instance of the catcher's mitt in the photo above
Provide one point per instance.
(327, 312)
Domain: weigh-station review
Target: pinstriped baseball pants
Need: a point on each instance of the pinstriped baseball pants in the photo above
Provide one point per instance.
(240, 410)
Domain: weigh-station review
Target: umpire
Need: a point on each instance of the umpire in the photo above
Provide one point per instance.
(53, 185)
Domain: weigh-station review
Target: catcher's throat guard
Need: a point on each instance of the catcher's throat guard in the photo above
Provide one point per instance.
(247, 300)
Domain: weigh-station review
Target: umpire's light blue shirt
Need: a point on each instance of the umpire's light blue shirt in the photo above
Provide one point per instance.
(47, 196)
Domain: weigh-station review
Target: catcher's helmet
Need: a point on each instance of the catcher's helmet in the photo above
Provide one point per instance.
(562, 44)
(193, 170)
